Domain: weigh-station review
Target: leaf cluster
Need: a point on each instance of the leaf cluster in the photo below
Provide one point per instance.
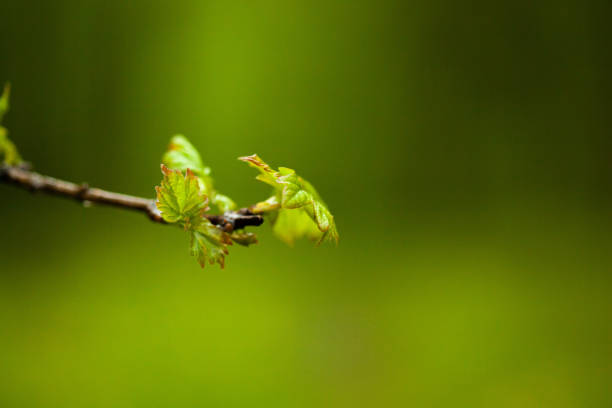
(182, 201)
(182, 155)
(296, 208)
(187, 188)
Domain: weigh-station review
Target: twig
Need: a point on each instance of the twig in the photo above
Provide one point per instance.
(22, 176)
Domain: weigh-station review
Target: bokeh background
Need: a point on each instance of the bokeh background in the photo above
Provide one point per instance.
(464, 148)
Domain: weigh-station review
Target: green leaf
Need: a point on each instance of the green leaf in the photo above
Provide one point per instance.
(268, 206)
(182, 155)
(223, 202)
(302, 212)
(179, 198)
(291, 225)
(8, 152)
(181, 201)
(209, 243)
(4, 101)
(268, 175)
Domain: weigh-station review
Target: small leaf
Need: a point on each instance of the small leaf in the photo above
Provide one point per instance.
(8, 152)
(223, 202)
(271, 204)
(319, 212)
(267, 174)
(294, 195)
(291, 225)
(179, 198)
(182, 155)
(302, 211)
(209, 244)
(4, 101)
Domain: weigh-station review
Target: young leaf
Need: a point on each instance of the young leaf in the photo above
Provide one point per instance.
(8, 152)
(4, 101)
(291, 225)
(302, 211)
(209, 244)
(223, 202)
(271, 204)
(181, 200)
(182, 155)
(268, 175)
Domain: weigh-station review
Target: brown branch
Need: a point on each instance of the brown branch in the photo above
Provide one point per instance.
(22, 176)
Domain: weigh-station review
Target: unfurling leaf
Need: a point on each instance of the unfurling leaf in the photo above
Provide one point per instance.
(4, 101)
(301, 211)
(295, 209)
(8, 152)
(209, 243)
(271, 204)
(181, 200)
(291, 225)
(182, 155)
(223, 202)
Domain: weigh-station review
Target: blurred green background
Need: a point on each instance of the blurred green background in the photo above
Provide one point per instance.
(464, 148)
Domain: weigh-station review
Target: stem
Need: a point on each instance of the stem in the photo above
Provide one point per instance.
(22, 176)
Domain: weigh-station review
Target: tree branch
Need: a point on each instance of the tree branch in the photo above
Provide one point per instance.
(22, 176)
